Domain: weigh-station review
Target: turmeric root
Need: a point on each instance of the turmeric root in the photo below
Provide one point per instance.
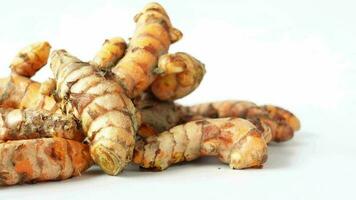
(281, 131)
(36, 160)
(234, 141)
(280, 124)
(180, 74)
(282, 114)
(21, 92)
(30, 59)
(13, 89)
(107, 116)
(154, 33)
(156, 116)
(18, 90)
(111, 52)
(17, 124)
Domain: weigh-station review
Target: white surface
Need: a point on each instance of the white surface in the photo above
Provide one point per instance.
(297, 54)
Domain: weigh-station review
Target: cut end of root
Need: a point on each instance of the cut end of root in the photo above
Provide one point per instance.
(107, 160)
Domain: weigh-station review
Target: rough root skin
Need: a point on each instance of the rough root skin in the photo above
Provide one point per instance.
(180, 74)
(30, 59)
(282, 114)
(21, 92)
(13, 89)
(17, 124)
(110, 53)
(157, 116)
(107, 116)
(36, 160)
(234, 141)
(281, 131)
(153, 35)
(279, 120)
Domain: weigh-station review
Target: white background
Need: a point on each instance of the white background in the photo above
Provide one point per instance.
(297, 54)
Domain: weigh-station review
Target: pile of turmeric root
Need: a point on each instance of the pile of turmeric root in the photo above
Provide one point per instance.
(119, 108)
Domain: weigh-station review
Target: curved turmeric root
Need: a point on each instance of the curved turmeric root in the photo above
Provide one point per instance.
(107, 116)
(30, 59)
(158, 116)
(281, 131)
(111, 52)
(36, 160)
(154, 33)
(17, 124)
(282, 114)
(220, 109)
(234, 141)
(282, 127)
(18, 90)
(21, 92)
(180, 74)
